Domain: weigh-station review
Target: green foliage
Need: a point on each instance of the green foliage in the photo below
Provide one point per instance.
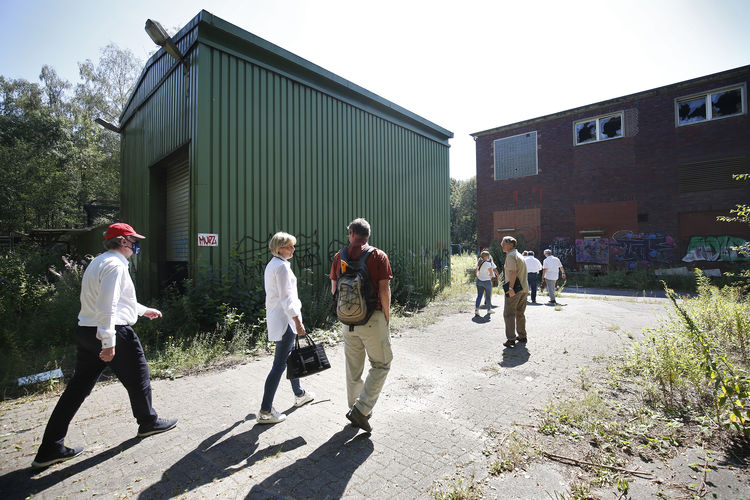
(415, 282)
(637, 279)
(55, 158)
(463, 199)
(697, 361)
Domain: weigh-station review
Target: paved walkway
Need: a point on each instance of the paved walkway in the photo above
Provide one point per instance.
(452, 393)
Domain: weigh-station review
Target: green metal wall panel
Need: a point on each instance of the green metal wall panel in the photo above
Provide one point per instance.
(269, 152)
(286, 157)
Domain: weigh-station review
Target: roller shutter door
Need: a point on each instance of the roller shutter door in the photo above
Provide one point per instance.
(178, 204)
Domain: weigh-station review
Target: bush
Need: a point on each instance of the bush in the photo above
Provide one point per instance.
(697, 360)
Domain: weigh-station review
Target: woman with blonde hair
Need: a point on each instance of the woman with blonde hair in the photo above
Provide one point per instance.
(284, 323)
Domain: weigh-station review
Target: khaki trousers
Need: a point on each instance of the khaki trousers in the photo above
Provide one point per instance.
(374, 340)
(514, 315)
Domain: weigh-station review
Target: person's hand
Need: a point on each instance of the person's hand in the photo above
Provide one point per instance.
(300, 329)
(511, 293)
(107, 354)
(152, 314)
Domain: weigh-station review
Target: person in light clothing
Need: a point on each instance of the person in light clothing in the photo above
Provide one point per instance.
(284, 323)
(105, 337)
(372, 340)
(485, 271)
(515, 302)
(551, 270)
(533, 266)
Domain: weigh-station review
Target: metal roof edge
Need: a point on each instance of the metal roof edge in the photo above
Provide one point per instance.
(308, 68)
(301, 69)
(611, 102)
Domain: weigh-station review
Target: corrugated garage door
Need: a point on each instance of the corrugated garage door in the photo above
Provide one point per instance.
(178, 203)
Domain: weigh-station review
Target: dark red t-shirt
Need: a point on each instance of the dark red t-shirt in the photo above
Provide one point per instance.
(378, 266)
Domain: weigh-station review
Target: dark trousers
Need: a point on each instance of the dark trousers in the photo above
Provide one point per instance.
(129, 364)
(532, 285)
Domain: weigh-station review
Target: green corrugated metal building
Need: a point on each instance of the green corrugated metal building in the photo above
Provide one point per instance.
(246, 139)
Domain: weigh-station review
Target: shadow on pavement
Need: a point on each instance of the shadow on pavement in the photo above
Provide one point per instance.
(215, 458)
(481, 319)
(515, 356)
(24, 483)
(322, 474)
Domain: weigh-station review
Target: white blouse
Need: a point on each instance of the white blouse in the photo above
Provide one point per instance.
(282, 302)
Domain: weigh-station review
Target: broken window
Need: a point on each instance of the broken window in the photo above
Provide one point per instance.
(710, 106)
(598, 129)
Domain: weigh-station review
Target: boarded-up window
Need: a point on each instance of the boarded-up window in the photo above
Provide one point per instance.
(516, 156)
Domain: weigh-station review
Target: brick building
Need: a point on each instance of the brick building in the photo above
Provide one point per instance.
(633, 181)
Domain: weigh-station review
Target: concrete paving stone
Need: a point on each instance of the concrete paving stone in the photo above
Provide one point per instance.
(449, 383)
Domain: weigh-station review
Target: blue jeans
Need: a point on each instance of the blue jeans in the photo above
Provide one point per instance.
(484, 288)
(283, 348)
(532, 285)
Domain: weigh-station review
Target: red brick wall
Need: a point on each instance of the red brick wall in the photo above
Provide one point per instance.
(642, 169)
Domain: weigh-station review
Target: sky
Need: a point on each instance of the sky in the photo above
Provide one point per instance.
(466, 66)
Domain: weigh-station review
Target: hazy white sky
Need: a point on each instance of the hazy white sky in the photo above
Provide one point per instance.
(464, 65)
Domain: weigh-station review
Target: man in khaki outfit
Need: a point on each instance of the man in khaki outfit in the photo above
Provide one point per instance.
(371, 340)
(515, 301)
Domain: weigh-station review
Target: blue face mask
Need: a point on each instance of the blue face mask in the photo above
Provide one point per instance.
(136, 247)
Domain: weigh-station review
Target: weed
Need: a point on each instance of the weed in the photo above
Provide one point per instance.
(460, 490)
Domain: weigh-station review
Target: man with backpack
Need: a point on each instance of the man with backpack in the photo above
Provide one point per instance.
(360, 283)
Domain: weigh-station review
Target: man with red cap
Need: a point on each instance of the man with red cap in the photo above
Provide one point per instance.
(109, 310)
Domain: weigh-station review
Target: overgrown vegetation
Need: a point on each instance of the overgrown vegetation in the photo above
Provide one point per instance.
(215, 319)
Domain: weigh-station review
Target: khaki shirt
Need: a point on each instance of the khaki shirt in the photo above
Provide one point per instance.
(514, 262)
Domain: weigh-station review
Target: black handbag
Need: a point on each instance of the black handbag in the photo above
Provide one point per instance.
(306, 360)
(516, 288)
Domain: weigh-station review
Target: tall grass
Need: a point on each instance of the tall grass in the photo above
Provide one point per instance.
(696, 361)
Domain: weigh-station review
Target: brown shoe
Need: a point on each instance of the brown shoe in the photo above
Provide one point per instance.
(358, 419)
(509, 343)
(521, 339)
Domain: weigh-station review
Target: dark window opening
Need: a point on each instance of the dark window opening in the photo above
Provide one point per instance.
(611, 127)
(726, 103)
(642, 217)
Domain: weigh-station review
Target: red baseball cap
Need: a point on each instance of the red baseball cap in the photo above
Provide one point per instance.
(120, 229)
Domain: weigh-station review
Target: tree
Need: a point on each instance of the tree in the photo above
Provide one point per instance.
(54, 158)
(464, 213)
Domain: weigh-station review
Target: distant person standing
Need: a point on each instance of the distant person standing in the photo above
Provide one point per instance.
(533, 266)
(551, 270)
(485, 271)
(516, 279)
(109, 310)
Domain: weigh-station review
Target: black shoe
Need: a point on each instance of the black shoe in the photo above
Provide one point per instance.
(160, 425)
(43, 460)
(358, 420)
(521, 339)
(552, 302)
(509, 343)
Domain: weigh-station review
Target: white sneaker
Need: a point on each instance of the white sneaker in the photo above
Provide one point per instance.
(490, 311)
(270, 417)
(304, 399)
(476, 312)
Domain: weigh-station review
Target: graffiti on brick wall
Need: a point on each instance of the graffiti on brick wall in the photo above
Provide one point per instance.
(594, 251)
(563, 249)
(633, 250)
(715, 249)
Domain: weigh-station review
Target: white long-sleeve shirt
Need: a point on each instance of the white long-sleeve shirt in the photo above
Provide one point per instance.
(282, 301)
(108, 297)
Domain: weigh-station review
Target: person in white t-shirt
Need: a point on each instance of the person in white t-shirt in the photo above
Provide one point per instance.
(533, 266)
(552, 268)
(486, 270)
